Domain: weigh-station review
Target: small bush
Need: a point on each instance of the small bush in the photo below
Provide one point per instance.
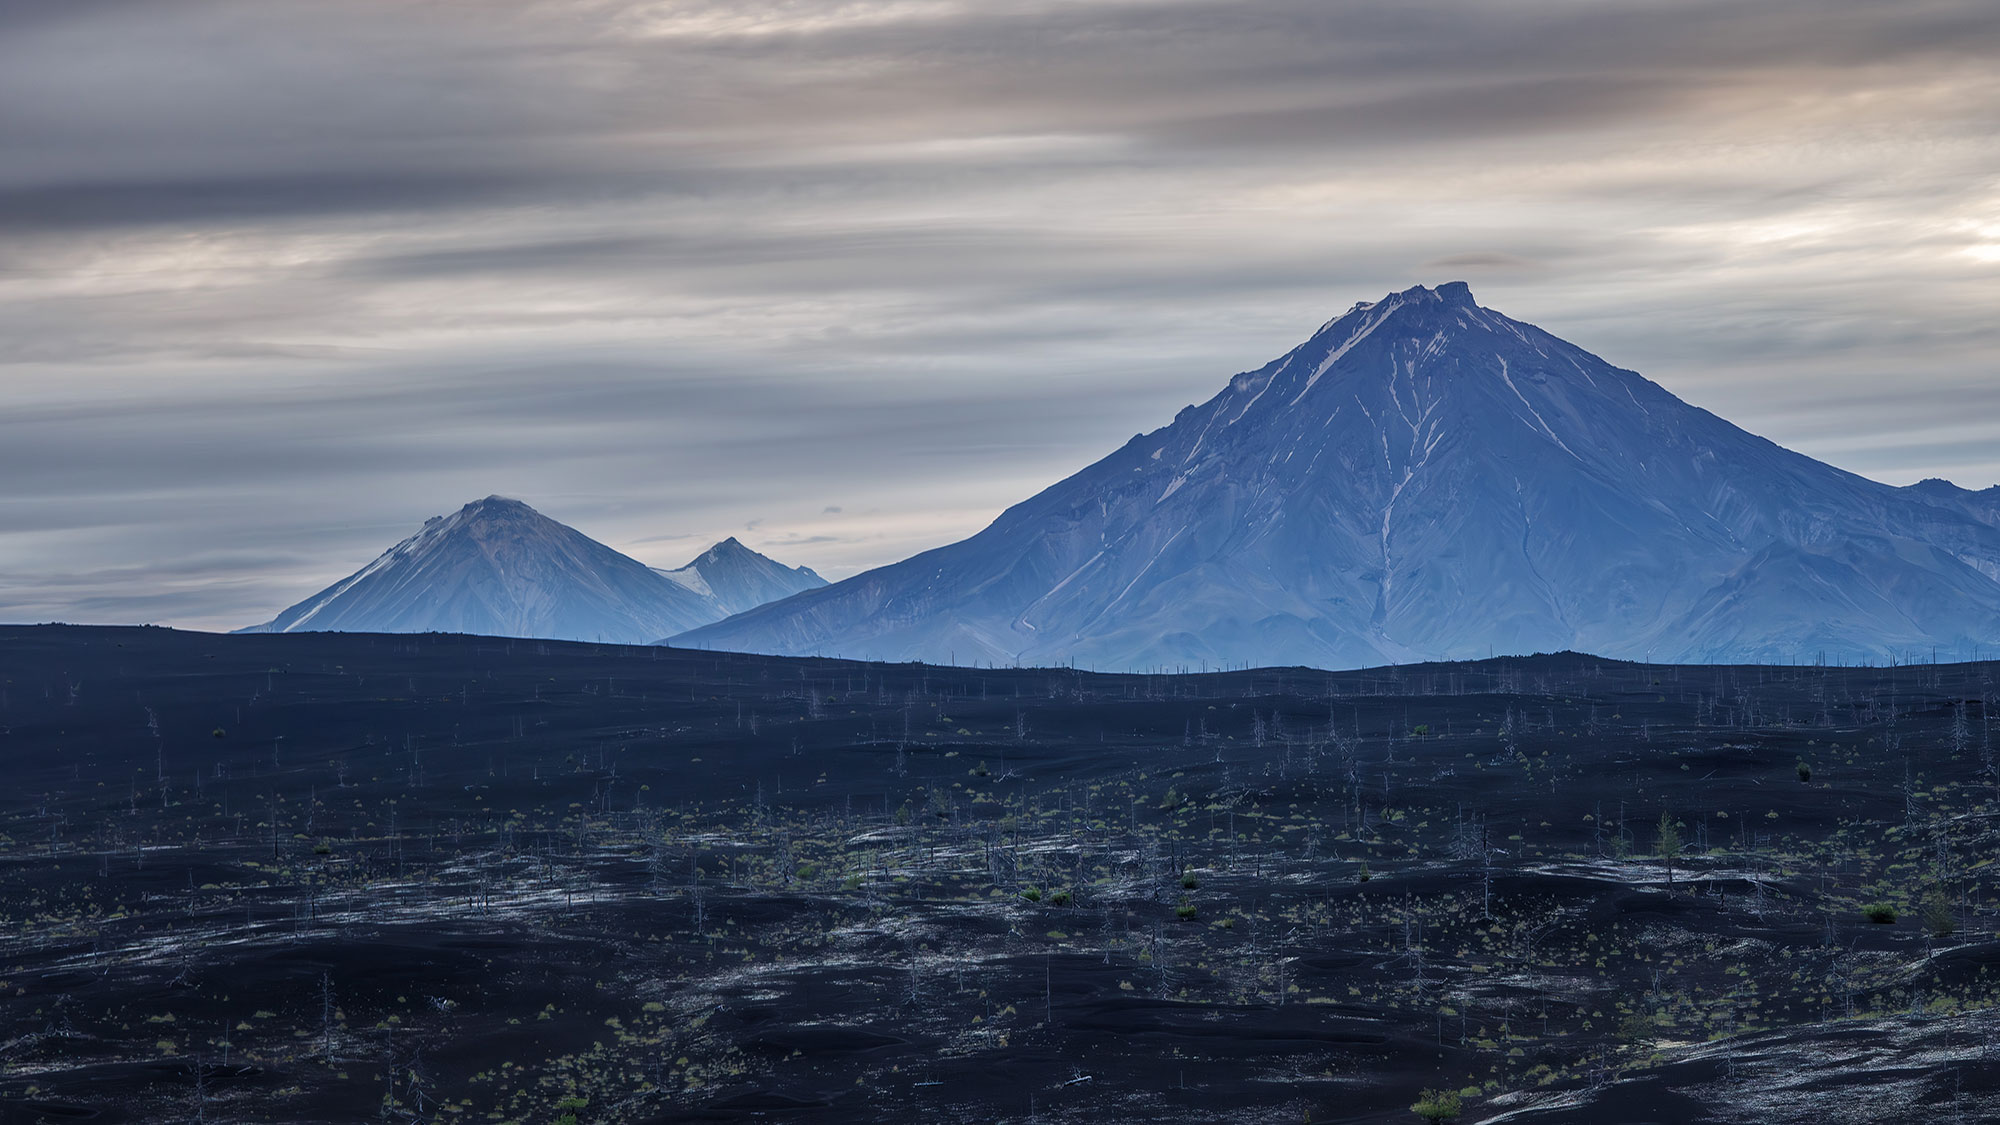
(1189, 882)
(1438, 1105)
(1638, 1029)
(1805, 772)
(1185, 911)
(1937, 915)
(1032, 894)
(1061, 898)
(1881, 913)
(1365, 874)
(1670, 840)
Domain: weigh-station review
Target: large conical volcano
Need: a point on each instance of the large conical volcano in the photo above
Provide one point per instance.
(499, 568)
(1428, 479)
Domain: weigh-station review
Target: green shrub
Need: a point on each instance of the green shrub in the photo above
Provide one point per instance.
(1937, 914)
(1670, 838)
(1189, 882)
(1185, 911)
(1879, 912)
(1638, 1029)
(1032, 894)
(1437, 1105)
(1061, 898)
(1805, 772)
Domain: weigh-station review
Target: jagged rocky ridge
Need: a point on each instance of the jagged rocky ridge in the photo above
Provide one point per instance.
(1428, 479)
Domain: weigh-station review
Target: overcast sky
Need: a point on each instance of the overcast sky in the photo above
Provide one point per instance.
(278, 281)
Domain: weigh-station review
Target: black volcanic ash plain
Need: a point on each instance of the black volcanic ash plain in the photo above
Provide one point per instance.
(439, 878)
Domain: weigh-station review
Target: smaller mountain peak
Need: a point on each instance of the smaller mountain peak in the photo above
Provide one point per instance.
(493, 510)
(729, 551)
(730, 548)
(1454, 294)
(497, 503)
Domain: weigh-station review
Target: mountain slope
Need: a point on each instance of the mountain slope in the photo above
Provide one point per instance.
(736, 578)
(1427, 479)
(1983, 505)
(498, 567)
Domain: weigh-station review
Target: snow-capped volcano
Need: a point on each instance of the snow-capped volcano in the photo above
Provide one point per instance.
(498, 567)
(736, 578)
(1427, 479)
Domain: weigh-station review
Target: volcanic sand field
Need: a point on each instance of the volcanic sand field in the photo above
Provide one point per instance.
(336, 877)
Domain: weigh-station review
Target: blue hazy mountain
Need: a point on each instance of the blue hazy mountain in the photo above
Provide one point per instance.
(499, 568)
(1982, 505)
(735, 578)
(1428, 479)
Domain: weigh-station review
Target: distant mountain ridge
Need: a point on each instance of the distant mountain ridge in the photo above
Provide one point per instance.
(1425, 478)
(497, 567)
(1982, 505)
(736, 578)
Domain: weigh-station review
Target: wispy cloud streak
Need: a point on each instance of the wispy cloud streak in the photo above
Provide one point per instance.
(278, 281)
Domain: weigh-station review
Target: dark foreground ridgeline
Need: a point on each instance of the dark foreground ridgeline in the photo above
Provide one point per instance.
(337, 877)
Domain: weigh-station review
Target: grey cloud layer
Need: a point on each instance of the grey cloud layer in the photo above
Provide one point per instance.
(278, 281)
